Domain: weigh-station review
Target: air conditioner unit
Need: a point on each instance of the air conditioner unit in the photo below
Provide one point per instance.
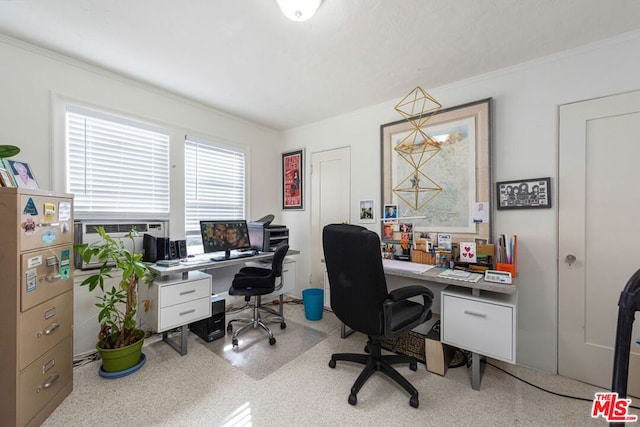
(86, 232)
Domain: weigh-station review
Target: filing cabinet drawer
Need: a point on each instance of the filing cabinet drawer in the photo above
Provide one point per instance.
(44, 326)
(481, 325)
(181, 292)
(44, 274)
(43, 379)
(181, 314)
(45, 220)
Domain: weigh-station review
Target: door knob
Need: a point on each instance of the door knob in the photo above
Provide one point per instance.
(570, 259)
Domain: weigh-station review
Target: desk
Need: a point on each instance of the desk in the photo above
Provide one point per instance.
(483, 324)
(185, 267)
(180, 279)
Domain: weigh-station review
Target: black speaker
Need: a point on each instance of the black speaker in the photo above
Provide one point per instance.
(212, 328)
(181, 248)
(162, 248)
(150, 248)
(173, 253)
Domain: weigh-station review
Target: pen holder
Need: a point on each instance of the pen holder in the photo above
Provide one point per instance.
(511, 268)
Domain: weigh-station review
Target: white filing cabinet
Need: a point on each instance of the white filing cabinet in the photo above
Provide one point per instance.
(481, 324)
(174, 301)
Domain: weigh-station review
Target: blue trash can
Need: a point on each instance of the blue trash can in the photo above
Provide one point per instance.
(313, 300)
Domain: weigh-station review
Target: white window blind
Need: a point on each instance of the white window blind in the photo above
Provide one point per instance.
(117, 168)
(214, 185)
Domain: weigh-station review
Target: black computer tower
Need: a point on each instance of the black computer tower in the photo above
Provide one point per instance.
(212, 328)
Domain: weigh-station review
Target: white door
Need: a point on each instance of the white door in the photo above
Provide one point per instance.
(598, 225)
(330, 200)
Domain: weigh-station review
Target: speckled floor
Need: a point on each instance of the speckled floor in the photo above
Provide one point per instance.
(205, 389)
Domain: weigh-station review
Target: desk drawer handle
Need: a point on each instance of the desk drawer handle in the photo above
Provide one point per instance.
(473, 313)
(52, 278)
(48, 384)
(49, 330)
(188, 312)
(187, 292)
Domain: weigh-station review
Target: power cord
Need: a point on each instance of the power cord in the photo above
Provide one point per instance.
(543, 389)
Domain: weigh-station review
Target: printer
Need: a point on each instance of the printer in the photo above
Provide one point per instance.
(265, 236)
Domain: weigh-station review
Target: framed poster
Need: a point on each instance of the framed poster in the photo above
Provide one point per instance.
(524, 194)
(439, 169)
(292, 180)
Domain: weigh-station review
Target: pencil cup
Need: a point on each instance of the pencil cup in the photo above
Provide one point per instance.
(511, 268)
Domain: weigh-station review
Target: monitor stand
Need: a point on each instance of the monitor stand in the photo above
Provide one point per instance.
(227, 256)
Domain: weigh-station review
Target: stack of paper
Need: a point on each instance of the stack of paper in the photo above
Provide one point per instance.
(410, 267)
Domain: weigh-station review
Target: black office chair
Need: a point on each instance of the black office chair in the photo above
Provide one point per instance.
(255, 282)
(359, 298)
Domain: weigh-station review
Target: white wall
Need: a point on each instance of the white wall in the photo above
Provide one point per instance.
(32, 82)
(525, 145)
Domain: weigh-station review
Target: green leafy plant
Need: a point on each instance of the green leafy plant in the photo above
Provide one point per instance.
(118, 306)
(8, 151)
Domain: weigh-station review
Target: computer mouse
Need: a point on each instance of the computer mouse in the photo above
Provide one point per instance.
(190, 256)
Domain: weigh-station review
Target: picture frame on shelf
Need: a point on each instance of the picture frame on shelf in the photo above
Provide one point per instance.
(533, 193)
(5, 178)
(21, 173)
(293, 180)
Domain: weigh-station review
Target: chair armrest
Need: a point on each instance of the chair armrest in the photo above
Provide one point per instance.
(407, 292)
(402, 294)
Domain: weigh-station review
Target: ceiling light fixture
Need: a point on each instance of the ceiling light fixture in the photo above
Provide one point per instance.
(299, 10)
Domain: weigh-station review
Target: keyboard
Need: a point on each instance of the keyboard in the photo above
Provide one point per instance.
(233, 256)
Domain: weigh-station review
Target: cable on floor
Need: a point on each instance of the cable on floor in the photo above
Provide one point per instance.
(543, 389)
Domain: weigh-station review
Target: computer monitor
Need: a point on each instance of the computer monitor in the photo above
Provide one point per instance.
(224, 236)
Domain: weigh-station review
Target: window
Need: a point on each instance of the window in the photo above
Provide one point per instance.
(214, 186)
(117, 168)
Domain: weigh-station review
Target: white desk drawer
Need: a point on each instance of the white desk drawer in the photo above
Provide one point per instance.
(481, 326)
(181, 314)
(182, 292)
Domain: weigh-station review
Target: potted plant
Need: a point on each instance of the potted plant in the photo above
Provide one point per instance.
(119, 340)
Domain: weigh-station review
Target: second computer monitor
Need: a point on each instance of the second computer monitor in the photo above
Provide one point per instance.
(224, 236)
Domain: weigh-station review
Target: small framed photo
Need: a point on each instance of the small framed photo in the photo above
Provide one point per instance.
(21, 172)
(524, 194)
(5, 178)
(390, 212)
(367, 210)
(292, 181)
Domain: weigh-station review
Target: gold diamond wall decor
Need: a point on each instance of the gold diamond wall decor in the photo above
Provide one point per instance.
(417, 189)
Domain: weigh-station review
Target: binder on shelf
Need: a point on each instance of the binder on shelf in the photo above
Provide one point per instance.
(507, 254)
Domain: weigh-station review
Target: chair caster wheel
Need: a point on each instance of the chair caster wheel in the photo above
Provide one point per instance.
(272, 341)
(234, 343)
(332, 363)
(366, 348)
(414, 401)
(353, 399)
(283, 325)
(413, 366)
